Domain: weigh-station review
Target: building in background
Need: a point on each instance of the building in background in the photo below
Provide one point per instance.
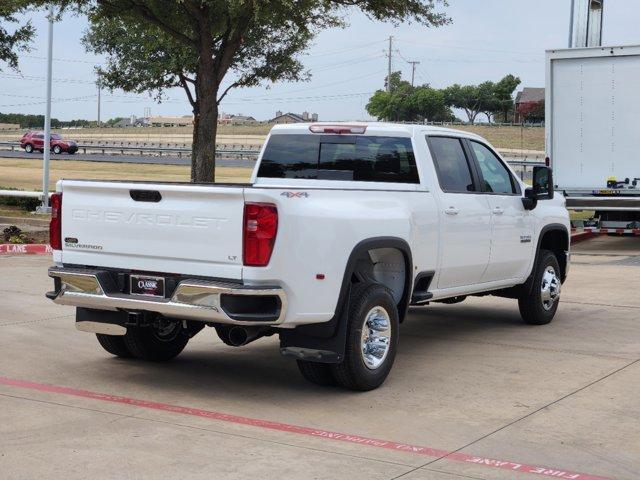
(231, 119)
(530, 105)
(130, 122)
(294, 117)
(9, 126)
(168, 121)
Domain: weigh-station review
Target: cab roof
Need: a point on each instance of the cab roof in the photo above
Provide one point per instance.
(375, 128)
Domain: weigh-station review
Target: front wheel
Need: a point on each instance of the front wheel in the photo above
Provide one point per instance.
(157, 343)
(28, 148)
(540, 305)
(57, 150)
(372, 338)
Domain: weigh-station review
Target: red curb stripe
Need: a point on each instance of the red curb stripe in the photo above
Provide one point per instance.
(25, 249)
(581, 237)
(313, 432)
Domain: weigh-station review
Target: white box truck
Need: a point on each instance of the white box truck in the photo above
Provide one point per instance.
(593, 132)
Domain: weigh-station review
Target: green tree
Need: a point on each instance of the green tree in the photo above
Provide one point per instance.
(407, 103)
(428, 104)
(209, 47)
(464, 97)
(488, 97)
(504, 96)
(15, 34)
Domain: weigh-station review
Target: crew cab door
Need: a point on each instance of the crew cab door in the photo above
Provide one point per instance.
(511, 224)
(465, 232)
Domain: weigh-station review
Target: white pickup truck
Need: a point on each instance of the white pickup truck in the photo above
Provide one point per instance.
(342, 227)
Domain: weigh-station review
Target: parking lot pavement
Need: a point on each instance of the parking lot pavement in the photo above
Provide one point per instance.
(506, 400)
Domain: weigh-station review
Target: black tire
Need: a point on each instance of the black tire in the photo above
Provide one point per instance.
(318, 373)
(114, 345)
(146, 343)
(57, 150)
(532, 308)
(28, 148)
(352, 372)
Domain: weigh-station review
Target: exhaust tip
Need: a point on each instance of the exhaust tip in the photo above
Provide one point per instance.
(238, 336)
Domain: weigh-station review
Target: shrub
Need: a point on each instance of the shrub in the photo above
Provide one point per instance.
(25, 203)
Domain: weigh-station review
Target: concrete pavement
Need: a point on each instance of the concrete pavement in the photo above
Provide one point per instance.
(469, 378)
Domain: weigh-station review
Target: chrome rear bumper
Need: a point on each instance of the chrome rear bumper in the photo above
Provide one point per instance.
(193, 299)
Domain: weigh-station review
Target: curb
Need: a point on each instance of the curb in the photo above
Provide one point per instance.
(581, 237)
(25, 249)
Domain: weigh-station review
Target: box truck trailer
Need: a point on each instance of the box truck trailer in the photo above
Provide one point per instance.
(593, 132)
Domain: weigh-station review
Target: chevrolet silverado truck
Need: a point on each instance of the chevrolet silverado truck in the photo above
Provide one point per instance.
(341, 228)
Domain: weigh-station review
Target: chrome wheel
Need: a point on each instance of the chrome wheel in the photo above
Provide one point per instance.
(549, 288)
(375, 339)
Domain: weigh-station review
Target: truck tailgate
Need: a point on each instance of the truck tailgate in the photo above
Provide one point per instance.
(173, 228)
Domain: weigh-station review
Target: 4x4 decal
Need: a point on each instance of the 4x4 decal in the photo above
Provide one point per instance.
(295, 194)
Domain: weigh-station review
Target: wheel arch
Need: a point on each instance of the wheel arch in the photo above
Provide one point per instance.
(325, 342)
(556, 238)
(379, 251)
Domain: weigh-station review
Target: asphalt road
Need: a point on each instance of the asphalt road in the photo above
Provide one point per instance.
(474, 393)
(149, 159)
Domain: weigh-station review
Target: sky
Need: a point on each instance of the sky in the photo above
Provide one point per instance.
(486, 40)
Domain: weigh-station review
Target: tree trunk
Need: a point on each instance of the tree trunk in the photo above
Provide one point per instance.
(203, 153)
(205, 125)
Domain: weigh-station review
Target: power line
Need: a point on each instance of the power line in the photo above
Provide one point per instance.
(35, 78)
(73, 99)
(466, 47)
(350, 49)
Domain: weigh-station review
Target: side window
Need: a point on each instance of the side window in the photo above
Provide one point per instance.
(495, 176)
(451, 164)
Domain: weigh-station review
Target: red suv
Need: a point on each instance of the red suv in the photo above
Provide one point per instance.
(35, 141)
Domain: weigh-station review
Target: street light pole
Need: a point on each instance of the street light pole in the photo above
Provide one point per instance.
(44, 208)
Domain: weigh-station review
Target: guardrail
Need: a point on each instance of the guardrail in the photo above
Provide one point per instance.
(21, 193)
(143, 148)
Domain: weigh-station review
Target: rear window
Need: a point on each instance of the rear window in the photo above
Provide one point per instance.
(340, 157)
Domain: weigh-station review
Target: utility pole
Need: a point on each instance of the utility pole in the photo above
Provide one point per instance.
(389, 68)
(44, 207)
(413, 71)
(99, 88)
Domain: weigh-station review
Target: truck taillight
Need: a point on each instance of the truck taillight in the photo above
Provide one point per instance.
(55, 226)
(259, 233)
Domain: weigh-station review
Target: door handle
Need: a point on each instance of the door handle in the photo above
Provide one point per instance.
(451, 211)
(498, 211)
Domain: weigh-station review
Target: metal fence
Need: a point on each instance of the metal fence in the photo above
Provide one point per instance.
(124, 148)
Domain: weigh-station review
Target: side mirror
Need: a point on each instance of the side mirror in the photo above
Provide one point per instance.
(530, 200)
(542, 188)
(543, 183)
